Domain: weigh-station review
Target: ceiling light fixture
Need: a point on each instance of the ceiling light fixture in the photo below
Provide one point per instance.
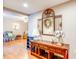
(25, 5)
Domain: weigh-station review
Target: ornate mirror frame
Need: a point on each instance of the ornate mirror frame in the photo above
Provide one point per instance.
(48, 22)
(58, 23)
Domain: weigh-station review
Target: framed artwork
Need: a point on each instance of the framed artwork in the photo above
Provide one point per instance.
(48, 22)
(39, 26)
(58, 22)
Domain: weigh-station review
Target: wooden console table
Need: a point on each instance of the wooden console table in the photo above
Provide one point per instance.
(46, 50)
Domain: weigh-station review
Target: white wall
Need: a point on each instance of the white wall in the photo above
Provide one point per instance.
(9, 19)
(8, 26)
(68, 13)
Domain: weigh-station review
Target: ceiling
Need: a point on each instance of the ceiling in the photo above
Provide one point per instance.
(33, 5)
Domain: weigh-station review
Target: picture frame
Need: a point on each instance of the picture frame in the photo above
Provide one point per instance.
(39, 26)
(48, 26)
(48, 22)
(58, 24)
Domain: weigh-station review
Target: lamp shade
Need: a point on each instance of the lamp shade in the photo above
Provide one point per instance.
(35, 32)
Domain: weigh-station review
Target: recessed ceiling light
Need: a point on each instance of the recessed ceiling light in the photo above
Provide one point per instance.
(25, 5)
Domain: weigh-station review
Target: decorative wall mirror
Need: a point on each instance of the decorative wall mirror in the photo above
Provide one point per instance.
(58, 23)
(48, 22)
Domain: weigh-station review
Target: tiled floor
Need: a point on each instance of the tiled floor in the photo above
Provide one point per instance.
(16, 50)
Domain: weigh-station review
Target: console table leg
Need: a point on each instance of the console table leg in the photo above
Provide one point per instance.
(48, 55)
(66, 55)
(38, 51)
